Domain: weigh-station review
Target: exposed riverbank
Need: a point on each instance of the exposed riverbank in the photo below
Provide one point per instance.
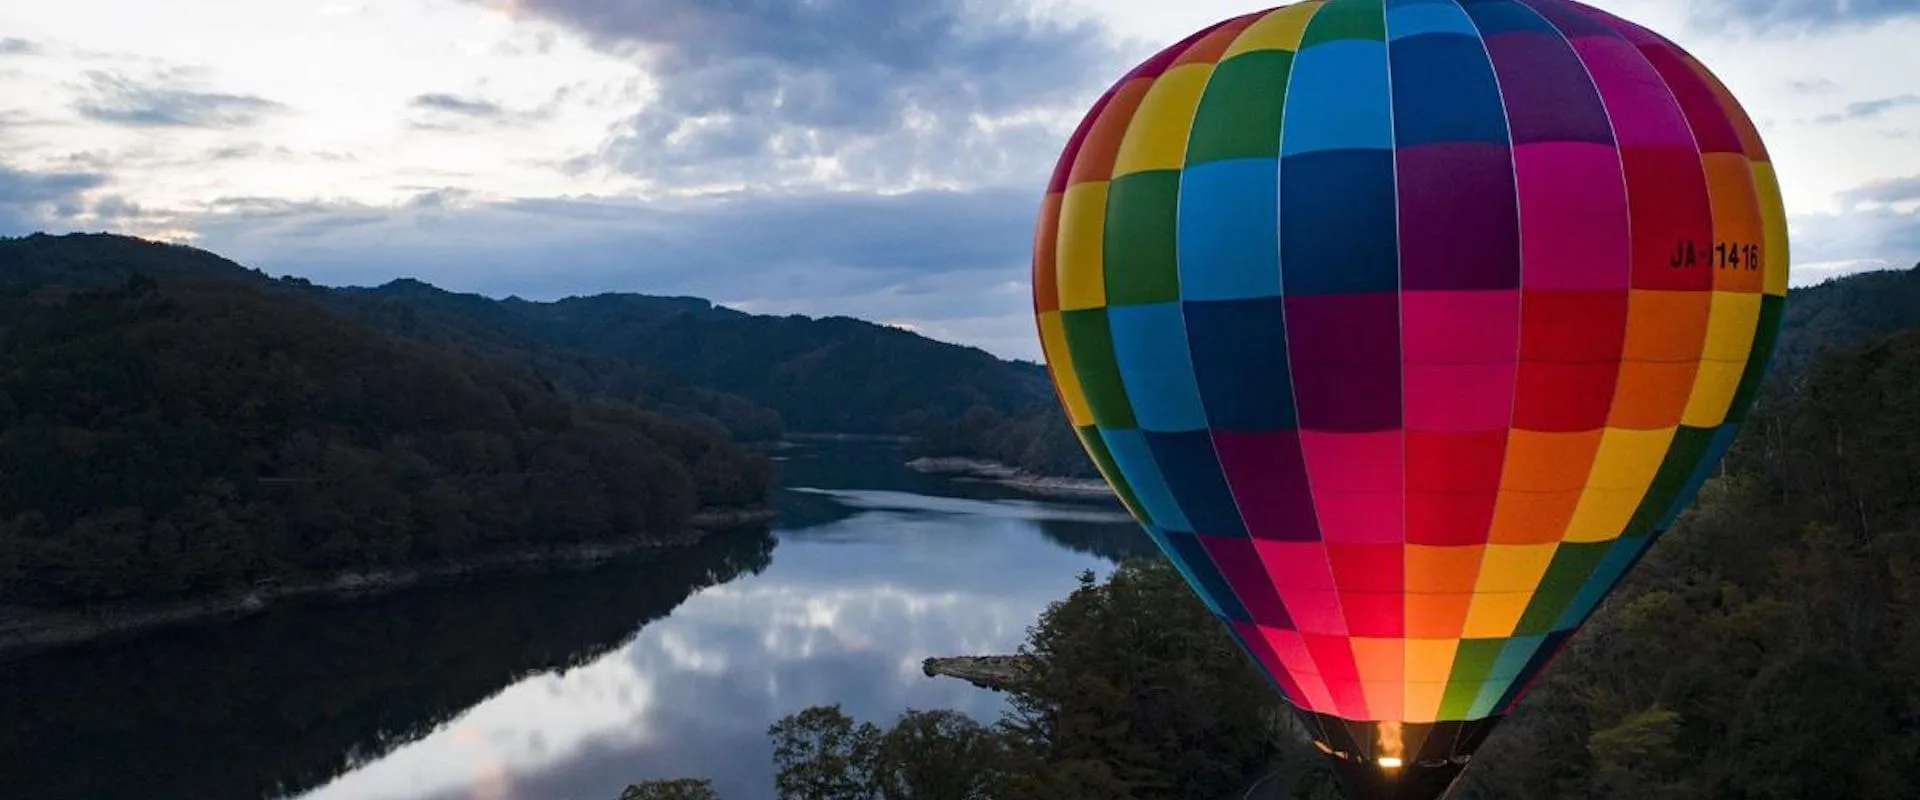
(998, 673)
(26, 630)
(830, 436)
(1012, 477)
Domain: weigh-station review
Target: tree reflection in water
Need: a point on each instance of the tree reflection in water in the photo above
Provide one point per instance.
(282, 704)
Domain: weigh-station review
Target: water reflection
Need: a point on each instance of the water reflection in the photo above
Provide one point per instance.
(845, 614)
(286, 700)
(540, 687)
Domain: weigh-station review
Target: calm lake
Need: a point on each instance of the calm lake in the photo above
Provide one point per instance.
(570, 686)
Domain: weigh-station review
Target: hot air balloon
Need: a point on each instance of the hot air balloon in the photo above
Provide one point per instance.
(1404, 327)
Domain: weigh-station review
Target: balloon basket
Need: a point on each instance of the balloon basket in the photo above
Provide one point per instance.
(1396, 760)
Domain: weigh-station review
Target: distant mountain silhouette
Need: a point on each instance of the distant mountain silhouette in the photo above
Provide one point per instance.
(1843, 312)
(834, 374)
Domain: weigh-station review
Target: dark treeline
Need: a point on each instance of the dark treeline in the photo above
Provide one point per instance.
(832, 374)
(1767, 648)
(1037, 439)
(476, 324)
(469, 324)
(1844, 312)
(180, 434)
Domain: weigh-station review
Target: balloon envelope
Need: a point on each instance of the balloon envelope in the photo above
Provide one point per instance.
(1404, 327)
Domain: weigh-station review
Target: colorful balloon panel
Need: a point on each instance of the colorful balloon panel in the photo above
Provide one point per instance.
(1404, 326)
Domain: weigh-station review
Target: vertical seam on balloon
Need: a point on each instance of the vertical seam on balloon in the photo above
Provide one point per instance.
(1609, 20)
(1304, 704)
(1180, 307)
(1617, 34)
(1520, 299)
(1765, 196)
(1300, 430)
(1158, 65)
(1186, 341)
(1729, 106)
(1626, 192)
(1293, 388)
(1400, 340)
(1713, 291)
(1093, 119)
(1070, 152)
(1176, 52)
(1039, 314)
(1062, 265)
(1713, 233)
(1700, 73)
(1299, 443)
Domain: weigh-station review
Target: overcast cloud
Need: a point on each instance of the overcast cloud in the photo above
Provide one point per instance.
(859, 157)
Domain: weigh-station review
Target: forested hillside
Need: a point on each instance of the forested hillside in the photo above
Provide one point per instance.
(177, 433)
(1844, 312)
(1037, 439)
(413, 310)
(822, 375)
(1769, 647)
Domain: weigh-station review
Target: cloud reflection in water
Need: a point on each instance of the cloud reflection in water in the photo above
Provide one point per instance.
(845, 614)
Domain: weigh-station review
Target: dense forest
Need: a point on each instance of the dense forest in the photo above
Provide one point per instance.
(833, 374)
(182, 424)
(1037, 439)
(1767, 648)
(407, 309)
(177, 434)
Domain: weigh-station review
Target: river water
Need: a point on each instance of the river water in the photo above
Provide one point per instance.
(569, 686)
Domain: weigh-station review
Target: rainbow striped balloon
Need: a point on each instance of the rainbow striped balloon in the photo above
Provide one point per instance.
(1404, 327)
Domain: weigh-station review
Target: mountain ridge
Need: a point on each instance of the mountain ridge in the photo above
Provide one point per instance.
(755, 375)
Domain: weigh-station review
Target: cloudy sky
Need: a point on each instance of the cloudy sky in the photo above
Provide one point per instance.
(873, 158)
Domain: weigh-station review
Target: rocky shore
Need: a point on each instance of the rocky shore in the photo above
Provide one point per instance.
(26, 630)
(998, 673)
(1013, 477)
(829, 436)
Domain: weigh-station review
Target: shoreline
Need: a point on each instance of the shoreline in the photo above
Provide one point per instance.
(995, 673)
(25, 631)
(981, 469)
(830, 436)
